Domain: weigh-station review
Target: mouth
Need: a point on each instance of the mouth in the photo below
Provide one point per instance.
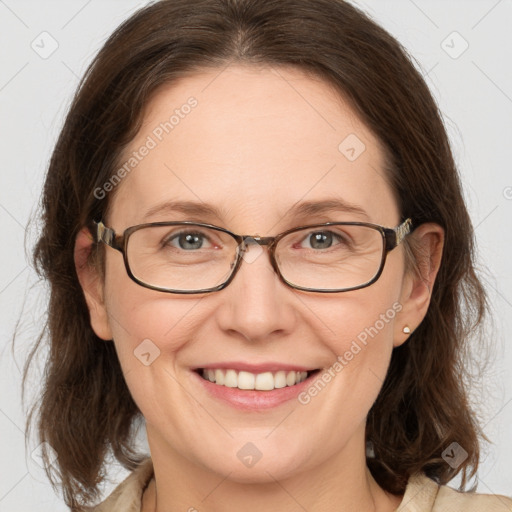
(264, 381)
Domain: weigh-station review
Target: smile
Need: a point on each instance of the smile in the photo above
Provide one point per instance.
(266, 381)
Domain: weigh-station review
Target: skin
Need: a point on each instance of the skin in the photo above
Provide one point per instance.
(259, 140)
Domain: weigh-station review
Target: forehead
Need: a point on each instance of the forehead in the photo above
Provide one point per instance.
(252, 142)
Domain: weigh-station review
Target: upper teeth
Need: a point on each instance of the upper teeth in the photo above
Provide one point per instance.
(261, 381)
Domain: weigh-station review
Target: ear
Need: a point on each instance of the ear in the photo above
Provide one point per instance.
(92, 285)
(427, 242)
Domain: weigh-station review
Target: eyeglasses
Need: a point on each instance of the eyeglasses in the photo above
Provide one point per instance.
(191, 257)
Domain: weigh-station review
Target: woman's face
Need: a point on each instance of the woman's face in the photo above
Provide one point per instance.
(253, 144)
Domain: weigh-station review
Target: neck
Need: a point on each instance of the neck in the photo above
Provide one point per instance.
(342, 482)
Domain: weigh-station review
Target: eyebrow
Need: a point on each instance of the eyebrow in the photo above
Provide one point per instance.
(299, 209)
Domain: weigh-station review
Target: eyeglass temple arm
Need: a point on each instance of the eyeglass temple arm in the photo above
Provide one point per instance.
(395, 236)
(106, 235)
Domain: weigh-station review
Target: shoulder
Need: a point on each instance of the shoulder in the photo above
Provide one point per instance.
(424, 495)
(127, 496)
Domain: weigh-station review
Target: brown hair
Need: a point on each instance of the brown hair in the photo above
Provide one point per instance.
(86, 411)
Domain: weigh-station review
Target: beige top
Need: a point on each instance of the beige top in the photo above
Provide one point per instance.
(421, 495)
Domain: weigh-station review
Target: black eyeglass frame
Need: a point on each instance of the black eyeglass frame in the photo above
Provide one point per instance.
(391, 238)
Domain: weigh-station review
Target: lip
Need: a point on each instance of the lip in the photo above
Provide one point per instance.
(256, 368)
(254, 400)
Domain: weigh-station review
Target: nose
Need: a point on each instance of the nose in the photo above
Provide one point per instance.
(256, 304)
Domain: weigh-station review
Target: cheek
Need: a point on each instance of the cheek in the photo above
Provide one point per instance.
(149, 333)
(368, 328)
(344, 392)
(140, 319)
(360, 327)
(364, 355)
(364, 339)
(147, 326)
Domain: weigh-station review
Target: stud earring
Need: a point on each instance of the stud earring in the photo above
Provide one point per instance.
(406, 330)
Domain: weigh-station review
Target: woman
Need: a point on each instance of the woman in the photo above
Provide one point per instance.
(256, 241)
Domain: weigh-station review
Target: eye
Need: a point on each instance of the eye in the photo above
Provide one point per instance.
(323, 239)
(187, 240)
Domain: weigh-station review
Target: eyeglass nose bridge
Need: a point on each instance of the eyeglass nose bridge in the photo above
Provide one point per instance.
(246, 240)
(243, 245)
(259, 240)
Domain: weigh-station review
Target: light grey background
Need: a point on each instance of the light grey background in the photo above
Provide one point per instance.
(473, 89)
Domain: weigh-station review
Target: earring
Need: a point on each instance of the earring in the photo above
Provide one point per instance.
(406, 330)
